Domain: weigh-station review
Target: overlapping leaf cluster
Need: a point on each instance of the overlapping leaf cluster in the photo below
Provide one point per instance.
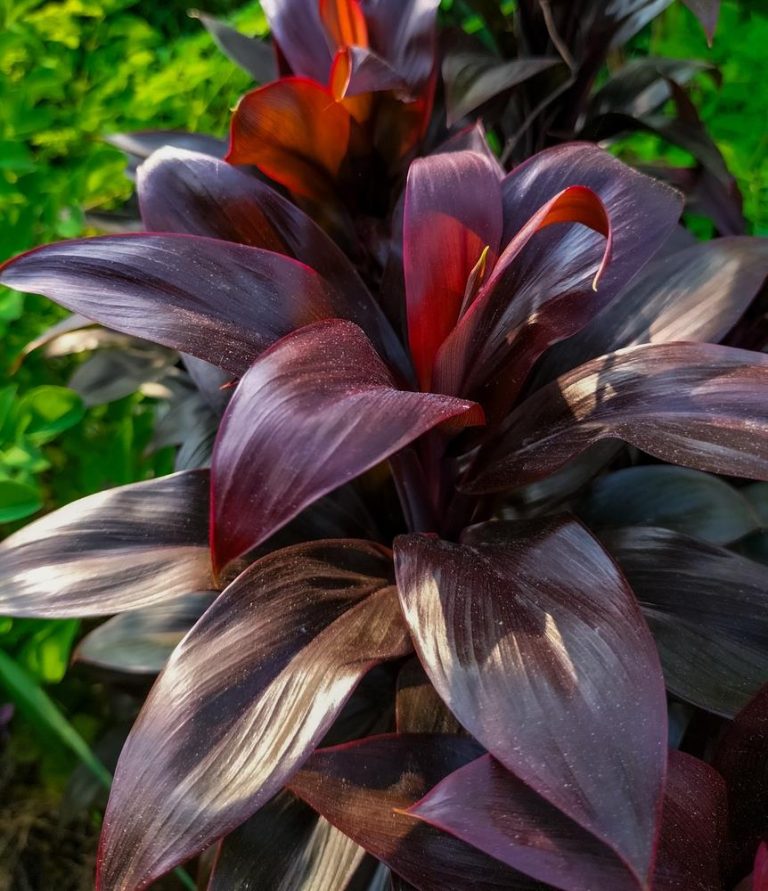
(469, 605)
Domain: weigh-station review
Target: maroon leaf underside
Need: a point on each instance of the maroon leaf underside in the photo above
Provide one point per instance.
(708, 610)
(364, 787)
(699, 405)
(313, 412)
(193, 194)
(452, 213)
(117, 550)
(216, 300)
(505, 628)
(244, 700)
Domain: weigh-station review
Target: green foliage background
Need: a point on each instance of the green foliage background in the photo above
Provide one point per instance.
(72, 71)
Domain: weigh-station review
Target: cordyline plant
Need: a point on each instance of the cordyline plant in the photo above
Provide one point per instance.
(408, 663)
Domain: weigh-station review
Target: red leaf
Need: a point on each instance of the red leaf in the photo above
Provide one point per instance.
(452, 213)
(534, 641)
(313, 412)
(244, 699)
(295, 132)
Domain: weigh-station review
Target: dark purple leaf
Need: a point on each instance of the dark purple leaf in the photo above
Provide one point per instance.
(481, 340)
(254, 56)
(700, 405)
(112, 374)
(357, 71)
(315, 411)
(452, 215)
(285, 846)
(677, 498)
(141, 642)
(118, 550)
(486, 806)
(194, 194)
(507, 630)
(740, 758)
(221, 302)
(696, 294)
(472, 78)
(707, 12)
(693, 825)
(144, 142)
(243, 701)
(364, 787)
(404, 33)
(708, 610)
(298, 31)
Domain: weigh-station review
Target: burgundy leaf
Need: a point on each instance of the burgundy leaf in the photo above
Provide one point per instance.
(693, 826)
(507, 630)
(695, 294)
(285, 846)
(118, 550)
(364, 787)
(221, 302)
(488, 807)
(700, 405)
(313, 412)
(740, 758)
(482, 339)
(552, 277)
(141, 641)
(357, 71)
(404, 33)
(452, 214)
(708, 610)
(244, 699)
(677, 498)
(194, 194)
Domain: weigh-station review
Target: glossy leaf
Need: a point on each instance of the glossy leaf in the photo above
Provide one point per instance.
(452, 214)
(693, 825)
(194, 194)
(143, 143)
(696, 294)
(118, 550)
(419, 708)
(295, 132)
(483, 338)
(313, 412)
(141, 641)
(285, 846)
(364, 787)
(253, 55)
(298, 31)
(472, 79)
(700, 405)
(244, 700)
(503, 626)
(404, 33)
(489, 808)
(677, 498)
(159, 287)
(708, 610)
